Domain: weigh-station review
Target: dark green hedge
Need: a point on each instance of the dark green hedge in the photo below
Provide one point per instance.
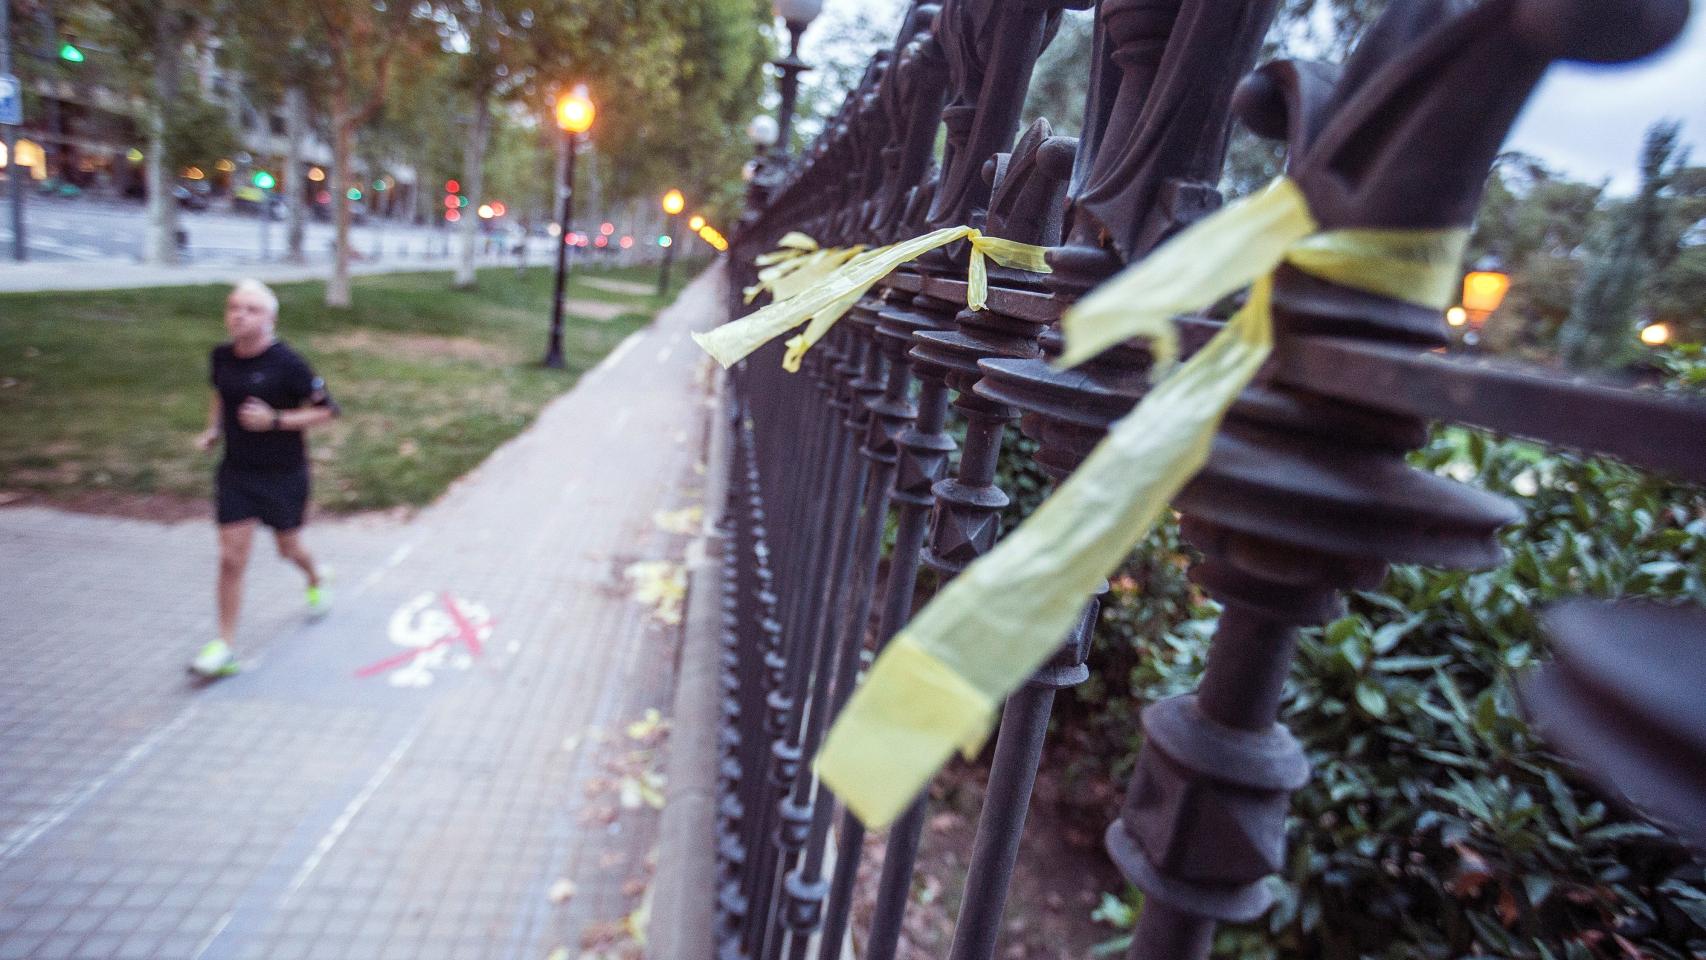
(1435, 825)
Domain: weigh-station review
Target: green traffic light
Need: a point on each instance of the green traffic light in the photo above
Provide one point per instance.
(70, 54)
(264, 180)
(353, 194)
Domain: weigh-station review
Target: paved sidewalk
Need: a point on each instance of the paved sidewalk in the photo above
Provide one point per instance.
(359, 792)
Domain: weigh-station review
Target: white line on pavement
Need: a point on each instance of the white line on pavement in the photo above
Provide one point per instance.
(20, 839)
(615, 356)
(336, 831)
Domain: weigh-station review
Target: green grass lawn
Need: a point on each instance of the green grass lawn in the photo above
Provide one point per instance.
(105, 392)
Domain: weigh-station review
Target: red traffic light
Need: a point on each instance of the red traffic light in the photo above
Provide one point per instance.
(607, 228)
(451, 186)
(450, 203)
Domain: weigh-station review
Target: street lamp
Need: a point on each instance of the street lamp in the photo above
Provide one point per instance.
(1483, 291)
(575, 113)
(696, 224)
(673, 204)
(798, 14)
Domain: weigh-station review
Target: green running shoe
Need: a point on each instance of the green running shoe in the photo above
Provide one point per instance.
(215, 660)
(319, 600)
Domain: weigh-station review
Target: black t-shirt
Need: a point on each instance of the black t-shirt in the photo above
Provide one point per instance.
(284, 381)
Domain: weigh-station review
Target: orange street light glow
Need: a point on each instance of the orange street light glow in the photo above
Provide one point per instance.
(674, 202)
(1655, 334)
(1457, 316)
(575, 111)
(1484, 290)
(696, 224)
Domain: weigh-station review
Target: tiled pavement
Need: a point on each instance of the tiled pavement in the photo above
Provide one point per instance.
(303, 810)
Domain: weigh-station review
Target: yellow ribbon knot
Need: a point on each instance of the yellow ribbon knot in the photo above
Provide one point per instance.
(935, 688)
(823, 291)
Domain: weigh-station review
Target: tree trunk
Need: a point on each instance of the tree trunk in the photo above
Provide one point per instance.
(338, 287)
(160, 242)
(473, 185)
(295, 130)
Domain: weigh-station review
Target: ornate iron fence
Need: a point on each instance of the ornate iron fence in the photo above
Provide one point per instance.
(1306, 493)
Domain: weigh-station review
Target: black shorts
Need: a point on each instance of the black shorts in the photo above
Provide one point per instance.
(278, 498)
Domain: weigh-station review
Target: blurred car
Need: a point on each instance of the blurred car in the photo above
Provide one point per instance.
(323, 211)
(53, 187)
(250, 200)
(191, 195)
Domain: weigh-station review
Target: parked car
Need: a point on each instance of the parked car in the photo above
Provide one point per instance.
(54, 187)
(323, 211)
(250, 199)
(192, 195)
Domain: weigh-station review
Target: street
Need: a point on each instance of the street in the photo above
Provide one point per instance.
(88, 230)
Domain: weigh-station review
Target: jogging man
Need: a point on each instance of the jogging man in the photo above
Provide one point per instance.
(264, 397)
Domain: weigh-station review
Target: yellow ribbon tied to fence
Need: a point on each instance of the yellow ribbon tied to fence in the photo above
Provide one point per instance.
(795, 264)
(936, 686)
(828, 296)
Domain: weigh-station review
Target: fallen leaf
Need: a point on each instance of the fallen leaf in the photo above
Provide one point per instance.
(685, 520)
(599, 935)
(637, 922)
(650, 724)
(601, 815)
(660, 585)
(562, 890)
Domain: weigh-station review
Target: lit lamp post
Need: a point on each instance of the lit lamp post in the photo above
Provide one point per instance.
(1655, 334)
(798, 14)
(574, 117)
(761, 132)
(673, 204)
(1483, 291)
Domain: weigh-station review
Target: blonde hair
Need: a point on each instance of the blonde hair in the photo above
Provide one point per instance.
(259, 289)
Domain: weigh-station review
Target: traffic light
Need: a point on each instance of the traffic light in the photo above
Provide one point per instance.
(451, 186)
(69, 53)
(264, 180)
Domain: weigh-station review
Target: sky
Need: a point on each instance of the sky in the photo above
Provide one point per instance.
(1586, 120)
(1589, 119)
